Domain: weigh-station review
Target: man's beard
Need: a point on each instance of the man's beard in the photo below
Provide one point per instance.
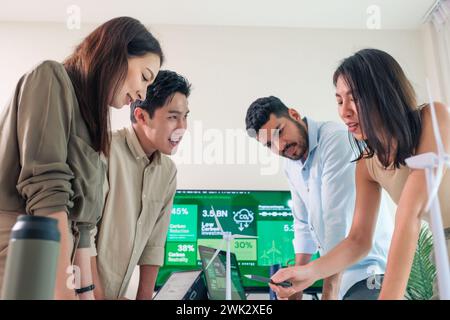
(302, 144)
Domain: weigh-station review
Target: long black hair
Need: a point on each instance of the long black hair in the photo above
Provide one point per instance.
(386, 104)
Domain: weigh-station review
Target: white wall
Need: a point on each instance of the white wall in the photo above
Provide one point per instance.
(229, 68)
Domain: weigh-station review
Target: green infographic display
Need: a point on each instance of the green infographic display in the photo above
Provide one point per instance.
(264, 214)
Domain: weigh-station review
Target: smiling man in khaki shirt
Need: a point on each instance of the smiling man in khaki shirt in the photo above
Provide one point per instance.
(141, 188)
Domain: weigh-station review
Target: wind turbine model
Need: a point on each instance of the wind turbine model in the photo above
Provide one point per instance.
(433, 164)
(227, 238)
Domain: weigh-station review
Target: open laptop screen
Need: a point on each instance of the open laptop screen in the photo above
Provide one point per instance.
(215, 275)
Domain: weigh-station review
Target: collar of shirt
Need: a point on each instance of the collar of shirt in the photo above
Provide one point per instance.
(137, 151)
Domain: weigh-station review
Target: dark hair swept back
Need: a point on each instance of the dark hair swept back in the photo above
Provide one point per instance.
(260, 110)
(161, 92)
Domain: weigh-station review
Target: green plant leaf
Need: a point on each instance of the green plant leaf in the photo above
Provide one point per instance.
(423, 270)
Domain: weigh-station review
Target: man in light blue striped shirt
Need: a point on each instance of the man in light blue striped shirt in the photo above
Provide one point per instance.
(321, 177)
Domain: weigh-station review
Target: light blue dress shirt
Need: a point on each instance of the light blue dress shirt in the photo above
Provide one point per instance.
(323, 200)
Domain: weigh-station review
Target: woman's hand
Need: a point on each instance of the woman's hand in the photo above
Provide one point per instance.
(83, 261)
(62, 291)
(301, 278)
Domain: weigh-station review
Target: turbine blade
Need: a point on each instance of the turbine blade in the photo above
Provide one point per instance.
(234, 236)
(437, 134)
(422, 161)
(212, 259)
(217, 220)
(433, 193)
(215, 255)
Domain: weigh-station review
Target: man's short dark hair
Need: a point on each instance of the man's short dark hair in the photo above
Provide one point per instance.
(260, 110)
(161, 92)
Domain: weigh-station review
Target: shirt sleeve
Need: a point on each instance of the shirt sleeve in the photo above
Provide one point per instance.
(153, 253)
(105, 190)
(93, 245)
(44, 113)
(338, 188)
(303, 241)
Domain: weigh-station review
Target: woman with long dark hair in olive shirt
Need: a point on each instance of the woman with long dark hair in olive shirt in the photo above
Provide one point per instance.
(55, 129)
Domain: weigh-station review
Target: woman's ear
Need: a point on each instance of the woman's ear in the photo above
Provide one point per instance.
(294, 114)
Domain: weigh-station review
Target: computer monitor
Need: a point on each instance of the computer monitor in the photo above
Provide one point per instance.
(263, 213)
(215, 274)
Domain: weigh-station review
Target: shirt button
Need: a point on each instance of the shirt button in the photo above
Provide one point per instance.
(312, 229)
(144, 196)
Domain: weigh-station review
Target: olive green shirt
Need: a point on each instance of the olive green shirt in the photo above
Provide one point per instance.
(137, 210)
(47, 162)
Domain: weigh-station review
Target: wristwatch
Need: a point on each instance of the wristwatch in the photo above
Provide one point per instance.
(85, 289)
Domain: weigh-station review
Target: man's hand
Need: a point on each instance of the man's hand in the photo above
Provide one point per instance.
(147, 279)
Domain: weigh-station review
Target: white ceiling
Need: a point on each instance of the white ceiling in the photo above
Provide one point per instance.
(347, 14)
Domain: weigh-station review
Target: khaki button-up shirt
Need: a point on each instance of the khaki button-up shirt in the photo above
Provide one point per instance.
(137, 211)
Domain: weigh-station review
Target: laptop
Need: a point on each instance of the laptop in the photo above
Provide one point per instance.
(215, 275)
(183, 285)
